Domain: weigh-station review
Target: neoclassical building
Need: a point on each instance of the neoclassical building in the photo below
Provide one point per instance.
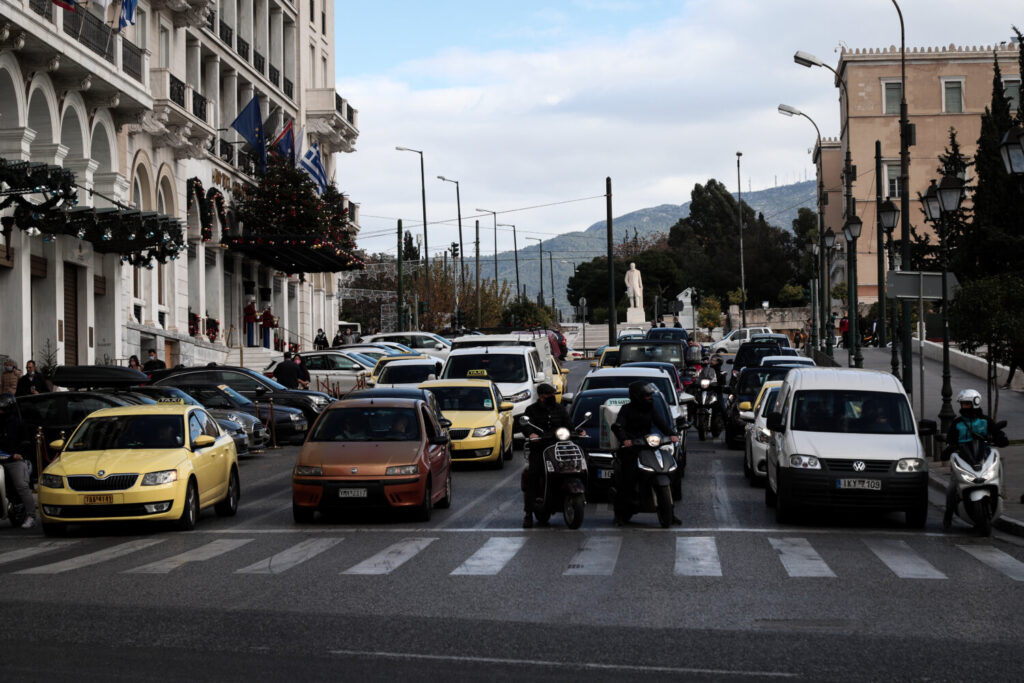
(142, 118)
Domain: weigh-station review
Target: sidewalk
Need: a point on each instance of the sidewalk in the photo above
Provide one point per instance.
(1011, 409)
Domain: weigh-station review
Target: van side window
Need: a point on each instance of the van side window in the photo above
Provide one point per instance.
(535, 362)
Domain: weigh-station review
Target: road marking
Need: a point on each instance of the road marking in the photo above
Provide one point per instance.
(697, 556)
(904, 562)
(596, 557)
(286, 559)
(391, 558)
(200, 554)
(327, 529)
(482, 497)
(111, 553)
(492, 557)
(996, 559)
(720, 502)
(23, 553)
(799, 558)
(572, 666)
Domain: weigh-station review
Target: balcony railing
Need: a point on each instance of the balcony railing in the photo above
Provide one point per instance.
(131, 59)
(242, 46)
(350, 116)
(198, 106)
(339, 104)
(275, 76)
(226, 32)
(247, 163)
(227, 152)
(42, 7)
(212, 147)
(177, 91)
(90, 31)
(211, 22)
(259, 61)
(288, 88)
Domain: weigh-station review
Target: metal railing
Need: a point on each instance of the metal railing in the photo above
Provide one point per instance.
(275, 76)
(176, 91)
(289, 89)
(42, 7)
(350, 116)
(211, 22)
(259, 61)
(242, 47)
(131, 59)
(227, 152)
(198, 106)
(339, 104)
(226, 32)
(90, 31)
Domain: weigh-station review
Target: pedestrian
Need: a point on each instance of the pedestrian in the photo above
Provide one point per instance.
(287, 372)
(339, 338)
(9, 383)
(14, 448)
(320, 341)
(133, 363)
(31, 382)
(676, 323)
(268, 322)
(250, 316)
(303, 375)
(844, 332)
(154, 363)
(350, 336)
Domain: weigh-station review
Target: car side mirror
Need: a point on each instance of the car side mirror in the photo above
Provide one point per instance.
(440, 440)
(57, 445)
(260, 390)
(445, 422)
(506, 406)
(774, 422)
(438, 346)
(745, 406)
(567, 398)
(203, 441)
(431, 376)
(747, 415)
(565, 371)
(541, 377)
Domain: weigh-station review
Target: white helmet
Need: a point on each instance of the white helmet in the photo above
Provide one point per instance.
(969, 396)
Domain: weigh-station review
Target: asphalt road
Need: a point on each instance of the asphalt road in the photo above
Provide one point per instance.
(470, 595)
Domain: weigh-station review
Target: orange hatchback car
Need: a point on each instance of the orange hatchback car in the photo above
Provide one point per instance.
(373, 453)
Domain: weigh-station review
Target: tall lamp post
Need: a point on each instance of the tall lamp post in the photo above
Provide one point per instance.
(939, 202)
(423, 196)
(906, 136)
(888, 217)
(852, 231)
(515, 252)
(462, 248)
(812, 249)
(828, 243)
(541, 243)
(739, 221)
(494, 215)
(787, 110)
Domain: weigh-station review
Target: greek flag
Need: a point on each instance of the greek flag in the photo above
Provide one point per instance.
(127, 13)
(313, 165)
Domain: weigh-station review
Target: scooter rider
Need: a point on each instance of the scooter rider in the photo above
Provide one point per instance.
(970, 424)
(712, 370)
(636, 420)
(13, 448)
(545, 416)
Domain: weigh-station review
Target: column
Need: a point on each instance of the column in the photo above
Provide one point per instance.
(229, 102)
(211, 88)
(276, 40)
(197, 281)
(289, 52)
(52, 153)
(47, 300)
(16, 143)
(84, 170)
(113, 185)
(214, 288)
(16, 286)
(110, 311)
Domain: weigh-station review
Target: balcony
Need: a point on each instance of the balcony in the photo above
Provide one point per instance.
(211, 22)
(42, 7)
(332, 118)
(226, 33)
(177, 91)
(184, 114)
(227, 152)
(131, 59)
(242, 47)
(90, 31)
(198, 106)
(289, 89)
(259, 61)
(275, 76)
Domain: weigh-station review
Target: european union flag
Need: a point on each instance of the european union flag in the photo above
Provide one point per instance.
(249, 125)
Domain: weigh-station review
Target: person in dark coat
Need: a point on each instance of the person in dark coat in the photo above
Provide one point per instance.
(320, 341)
(339, 339)
(287, 372)
(15, 450)
(303, 375)
(545, 415)
(153, 363)
(32, 382)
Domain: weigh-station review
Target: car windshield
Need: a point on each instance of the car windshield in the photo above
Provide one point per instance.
(500, 367)
(668, 353)
(407, 374)
(852, 412)
(664, 384)
(751, 379)
(129, 432)
(241, 400)
(769, 400)
(372, 423)
(363, 359)
(463, 398)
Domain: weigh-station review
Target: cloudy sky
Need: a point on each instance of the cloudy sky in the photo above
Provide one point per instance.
(533, 103)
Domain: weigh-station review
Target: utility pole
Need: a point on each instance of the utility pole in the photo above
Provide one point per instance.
(880, 328)
(739, 221)
(401, 302)
(612, 322)
(906, 132)
(541, 244)
(551, 271)
(479, 324)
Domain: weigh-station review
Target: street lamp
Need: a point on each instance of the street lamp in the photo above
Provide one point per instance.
(828, 242)
(423, 195)
(852, 231)
(515, 251)
(1012, 151)
(889, 216)
(825, 302)
(494, 215)
(541, 243)
(739, 221)
(813, 249)
(907, 133)
(462, 248)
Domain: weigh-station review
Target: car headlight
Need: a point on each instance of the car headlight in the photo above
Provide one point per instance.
(296, 417)
(520, 396)
(653, 440)
(320, 401)
(705, 383)
(806, 462)
(562, 434)
(763, 435)
(484, 431)
(911, 465)
(402, 470)
(161, 477)
(308, 471)
(52, 481)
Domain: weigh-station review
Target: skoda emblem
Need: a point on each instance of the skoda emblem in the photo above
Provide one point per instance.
(101, 473)
(354, 470)
(859, 466)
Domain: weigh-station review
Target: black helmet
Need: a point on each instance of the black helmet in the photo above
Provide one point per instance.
(641, 391)
(545, 388)
(6, 401)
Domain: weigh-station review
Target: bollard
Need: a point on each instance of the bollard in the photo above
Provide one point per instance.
(40, 440)
(273, 427)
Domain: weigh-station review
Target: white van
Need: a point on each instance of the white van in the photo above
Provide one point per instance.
(515, 370)
(845, 438)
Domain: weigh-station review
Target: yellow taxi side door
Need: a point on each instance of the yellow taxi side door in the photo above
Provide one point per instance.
(204, 460)
(221, 458)
(504, 419)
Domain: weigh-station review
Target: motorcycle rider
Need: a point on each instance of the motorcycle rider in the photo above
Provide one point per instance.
(636, 420)
(712, 370)
(970, 424)
(545, 415)
(13, 448)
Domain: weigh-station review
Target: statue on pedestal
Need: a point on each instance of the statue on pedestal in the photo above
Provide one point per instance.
(634, 287)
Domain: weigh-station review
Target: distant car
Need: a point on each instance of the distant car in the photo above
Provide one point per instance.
(786, 359)
(290, 424)
(607, 357)
(629, 336)
(420, 342)
(335, 371)
(750, 353)
(730, 343)
(374, 351)
(777, 337)
(409, 372)
(481, 422)
(664, 350)
(573, 354)
(387, 360)
(622, 377)
(671, 333)
(672, 370)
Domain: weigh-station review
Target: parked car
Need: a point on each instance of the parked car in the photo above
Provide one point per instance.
(420, 342)
(373, 453)
(59, 413)
(290, 424)
(786, 359)
(757, 435)
(481, 422)
(730, 343)
(410, 373)
(334, 371)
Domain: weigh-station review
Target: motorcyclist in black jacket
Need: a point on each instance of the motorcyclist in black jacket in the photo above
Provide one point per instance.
(635, 420)
(545, 416)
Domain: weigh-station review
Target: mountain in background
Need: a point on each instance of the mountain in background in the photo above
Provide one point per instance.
(778, 204)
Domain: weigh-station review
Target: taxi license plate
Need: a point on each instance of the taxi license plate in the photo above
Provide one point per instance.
(99, 500)
(605, 474)
(351, 493)
(862, 484)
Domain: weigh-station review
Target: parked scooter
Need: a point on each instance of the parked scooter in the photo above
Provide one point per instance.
(11, 507)
(652, 489)
(565, 475)
(976, 473)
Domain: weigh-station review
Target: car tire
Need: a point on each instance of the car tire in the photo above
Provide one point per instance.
(190, 511)
(769, 495)
(747, 470)
(424, 510)
(917, 517)
(783, 513)
(446, 502)
(229, 506)
(510, 453)
(303, 515)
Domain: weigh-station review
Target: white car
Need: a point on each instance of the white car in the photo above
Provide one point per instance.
(730, 343)
(621, 378)
(335, 372)
(515, 370)
(758, 436)
(420, 342)
(408, 373)
(787, 360)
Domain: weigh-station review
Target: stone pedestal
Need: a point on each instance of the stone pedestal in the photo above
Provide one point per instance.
(635, 315)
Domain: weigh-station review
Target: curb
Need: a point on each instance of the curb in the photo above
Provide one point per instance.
(1005, 524)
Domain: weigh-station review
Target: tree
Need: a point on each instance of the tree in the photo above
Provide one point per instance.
(709, 315)
(840, 292)
(988, 312)
(735, 297)
(805, 233)
(525, 314)
(410, 252)
(285, 202)
(791, 295)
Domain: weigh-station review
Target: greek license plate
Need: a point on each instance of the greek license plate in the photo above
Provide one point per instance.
(863, 484)
(351, 493)
(99, 500)
(605, 474)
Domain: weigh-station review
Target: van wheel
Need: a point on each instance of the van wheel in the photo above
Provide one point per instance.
(783, 513)
(769, 495)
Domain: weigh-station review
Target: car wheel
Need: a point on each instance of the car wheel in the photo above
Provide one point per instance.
(423, 511)
(229, 506)
(499, 462)
(747, 471)
(917, 517)
(190, 513)
(769, 494)
(302, 515)
(446, 502)
(510, 453)
(783, 514)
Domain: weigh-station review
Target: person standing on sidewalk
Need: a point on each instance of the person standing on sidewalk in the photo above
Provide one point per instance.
(11, 375)
(13, 450)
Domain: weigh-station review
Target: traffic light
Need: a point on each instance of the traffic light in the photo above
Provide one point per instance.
(455, 250)
(460, 319)
(695, 298)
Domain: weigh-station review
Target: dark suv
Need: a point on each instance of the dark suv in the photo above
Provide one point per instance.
(748, 383)
(750, 354)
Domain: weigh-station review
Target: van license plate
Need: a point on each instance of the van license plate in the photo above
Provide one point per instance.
(99, 500)
(862, 484)
(351, 493)
(605, 474)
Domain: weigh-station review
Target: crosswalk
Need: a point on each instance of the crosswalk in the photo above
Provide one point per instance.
(693, 556)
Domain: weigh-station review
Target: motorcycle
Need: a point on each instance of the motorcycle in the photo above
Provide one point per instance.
(708, 413)
(976, 470)
(565, 475)
(11, 507)
(652, 490)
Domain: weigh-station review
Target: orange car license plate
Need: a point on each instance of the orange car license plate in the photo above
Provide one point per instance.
(99, 500)
(352, 493)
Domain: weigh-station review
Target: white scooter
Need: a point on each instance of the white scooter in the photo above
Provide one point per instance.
(976, 472)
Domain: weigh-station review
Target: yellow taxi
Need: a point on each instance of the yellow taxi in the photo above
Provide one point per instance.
(384, 361)
(559, 379)
(609, 358)
(481, 429)
(143, 462)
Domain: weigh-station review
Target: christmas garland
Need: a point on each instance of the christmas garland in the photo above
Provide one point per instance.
(194, 191)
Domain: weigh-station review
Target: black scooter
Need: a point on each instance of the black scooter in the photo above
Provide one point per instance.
(565, 474)
(652, 491)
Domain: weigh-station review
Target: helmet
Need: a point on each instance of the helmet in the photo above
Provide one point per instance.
(969, 396)
(545, 388)
(639, 391)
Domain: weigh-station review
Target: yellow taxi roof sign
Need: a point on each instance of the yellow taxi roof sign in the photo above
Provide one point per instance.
(171, 399)
(476, 372)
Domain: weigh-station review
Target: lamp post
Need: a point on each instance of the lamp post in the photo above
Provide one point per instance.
(423, 196)
(494, 215)
(906, 133)
(462, 248)
(787, 110)
(852, 231)
(888, 216)
(739, 222)
(515, 252)
(828, 243)
(1012, 150)
(812, 249)
(541, 243)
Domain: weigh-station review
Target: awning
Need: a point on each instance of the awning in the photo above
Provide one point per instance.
(295, 253)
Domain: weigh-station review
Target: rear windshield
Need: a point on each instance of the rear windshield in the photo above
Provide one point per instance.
(751, 379)
(610, 358)
(667, 333)
(407, 374)
(852, 412)
(664, 384)
(667, 353)
(500, 367)
(129, 432)
(367, 424)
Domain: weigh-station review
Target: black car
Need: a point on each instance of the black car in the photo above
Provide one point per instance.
(748, 383)
(750, 354)
(248, 383)
(290, 423)
(664, 350)
(599, 459)
(669, 333)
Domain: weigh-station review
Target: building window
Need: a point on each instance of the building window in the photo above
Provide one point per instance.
(953, 96)
(893, 91)
(165, 47)
(323, 72)
(312, 64)
(892, 178)
(141, 26)
(1011, 87)
(312, 11)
